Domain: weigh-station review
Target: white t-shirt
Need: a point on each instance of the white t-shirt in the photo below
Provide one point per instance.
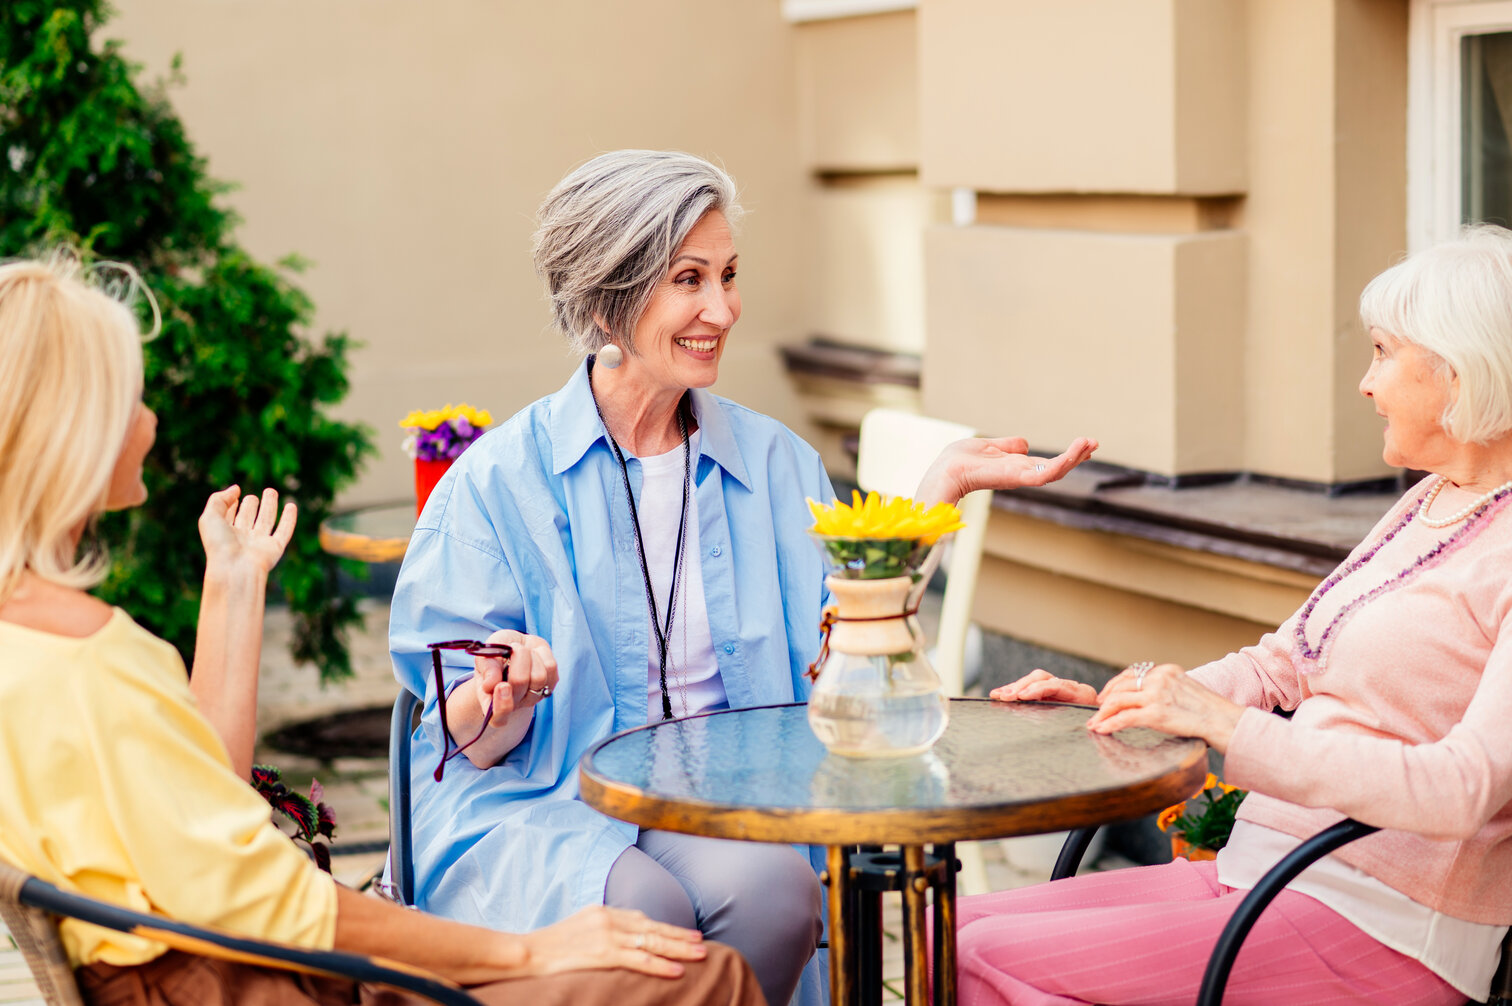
(693, 680)
(1462, 953)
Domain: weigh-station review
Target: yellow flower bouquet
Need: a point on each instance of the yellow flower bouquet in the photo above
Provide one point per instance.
(873, 538)
(1200, 825)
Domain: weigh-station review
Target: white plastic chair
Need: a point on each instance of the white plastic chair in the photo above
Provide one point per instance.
(895, 450)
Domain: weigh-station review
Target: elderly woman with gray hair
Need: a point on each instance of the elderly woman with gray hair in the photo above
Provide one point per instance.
(1398, 672)
(640, 545)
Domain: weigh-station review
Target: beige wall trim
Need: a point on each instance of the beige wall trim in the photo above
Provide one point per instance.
(823, 10)
(1124, 214)
(1115, 624)
(1197, 579)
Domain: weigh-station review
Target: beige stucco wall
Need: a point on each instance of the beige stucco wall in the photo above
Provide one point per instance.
(403, 147)
(858, 93)
(1086, 123)
(1082, 95)
(1051, 334)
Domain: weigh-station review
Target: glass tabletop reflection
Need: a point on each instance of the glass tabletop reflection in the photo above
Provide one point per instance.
(372, 534)
(1000, 769)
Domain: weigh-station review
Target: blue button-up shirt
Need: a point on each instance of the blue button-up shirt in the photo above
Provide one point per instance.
(531, 530)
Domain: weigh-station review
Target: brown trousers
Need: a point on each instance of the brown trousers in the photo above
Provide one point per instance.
(177, 979)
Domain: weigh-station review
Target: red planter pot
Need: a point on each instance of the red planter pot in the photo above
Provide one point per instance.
(427, 474)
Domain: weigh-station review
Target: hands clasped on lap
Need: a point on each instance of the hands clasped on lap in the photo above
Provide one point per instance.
(1160, 696)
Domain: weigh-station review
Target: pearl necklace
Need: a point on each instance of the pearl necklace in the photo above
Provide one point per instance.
(1477, 513)
(1454, 518)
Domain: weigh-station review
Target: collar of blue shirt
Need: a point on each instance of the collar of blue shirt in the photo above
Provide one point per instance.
(575, 427)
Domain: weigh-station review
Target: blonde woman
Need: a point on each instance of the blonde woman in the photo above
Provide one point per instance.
(125, 781)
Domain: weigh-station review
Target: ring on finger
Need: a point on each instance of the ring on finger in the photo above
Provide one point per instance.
(543, 691)
(639, 943)
(1140, 670)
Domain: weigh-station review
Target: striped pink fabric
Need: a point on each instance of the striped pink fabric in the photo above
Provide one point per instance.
(1142, 936)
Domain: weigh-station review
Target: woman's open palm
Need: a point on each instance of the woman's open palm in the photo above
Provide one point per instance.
(237, 529)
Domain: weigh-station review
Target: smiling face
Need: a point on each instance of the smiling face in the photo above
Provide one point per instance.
(1404, 384)
(126, 486)
(681, 336)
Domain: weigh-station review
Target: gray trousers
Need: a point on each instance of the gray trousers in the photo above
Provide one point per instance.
(763, 900)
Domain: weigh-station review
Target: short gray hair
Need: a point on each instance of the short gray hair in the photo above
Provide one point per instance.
(608, 232)
(1454, 300)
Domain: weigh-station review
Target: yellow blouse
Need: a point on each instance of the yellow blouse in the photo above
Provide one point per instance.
(113, 785)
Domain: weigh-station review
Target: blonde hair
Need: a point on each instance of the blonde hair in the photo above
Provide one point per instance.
(608, 232)
(70, 380)
(1454, 300)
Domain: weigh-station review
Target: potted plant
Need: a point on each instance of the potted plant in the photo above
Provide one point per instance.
(1200, 825)
(436, 439)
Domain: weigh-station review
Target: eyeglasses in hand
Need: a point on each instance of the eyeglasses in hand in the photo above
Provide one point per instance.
(476, 649)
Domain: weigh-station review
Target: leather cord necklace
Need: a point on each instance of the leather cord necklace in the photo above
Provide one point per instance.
(662, 632)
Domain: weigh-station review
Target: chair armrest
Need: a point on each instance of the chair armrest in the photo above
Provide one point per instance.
(212, 943)
(1276, 878)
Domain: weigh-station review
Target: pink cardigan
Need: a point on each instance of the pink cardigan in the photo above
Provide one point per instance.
(1408, 727)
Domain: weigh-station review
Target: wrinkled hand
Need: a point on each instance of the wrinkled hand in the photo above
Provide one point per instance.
(239, 530)
(1042, 686)
(532, 675)
(600, 937)
(1167, 700)
(1002, 463)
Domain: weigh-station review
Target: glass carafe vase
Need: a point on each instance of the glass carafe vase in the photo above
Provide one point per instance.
(876, 694)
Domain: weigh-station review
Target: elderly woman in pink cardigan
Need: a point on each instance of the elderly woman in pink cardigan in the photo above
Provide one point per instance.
(1398, 672)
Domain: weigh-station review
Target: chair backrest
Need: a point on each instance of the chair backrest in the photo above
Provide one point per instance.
(36, 935)
(401, 887)
(896, 449)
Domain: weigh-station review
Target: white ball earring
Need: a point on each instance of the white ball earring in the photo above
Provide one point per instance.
(610, 356)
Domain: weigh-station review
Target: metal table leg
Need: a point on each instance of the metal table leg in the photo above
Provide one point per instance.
(945, 928)
(915, 941)
(842, 957)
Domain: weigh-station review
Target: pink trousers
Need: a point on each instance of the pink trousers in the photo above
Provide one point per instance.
(1135, 936)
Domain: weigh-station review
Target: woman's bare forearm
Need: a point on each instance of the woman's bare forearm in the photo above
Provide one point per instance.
(464, 714)
(227, 652)
(463, 953)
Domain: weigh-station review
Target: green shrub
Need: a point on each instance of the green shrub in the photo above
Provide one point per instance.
(90, 159)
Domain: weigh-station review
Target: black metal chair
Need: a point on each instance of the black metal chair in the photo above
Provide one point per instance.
(401, 885)
(31, 907)
(1221, 963)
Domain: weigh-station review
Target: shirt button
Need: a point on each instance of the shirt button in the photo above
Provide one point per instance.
(729, 647)
(715, 551)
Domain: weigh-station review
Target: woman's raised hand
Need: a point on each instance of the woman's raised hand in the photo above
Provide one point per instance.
(1002, 463)
(1165, 698)
(246, 530)
(600, 937)
(1042, 686)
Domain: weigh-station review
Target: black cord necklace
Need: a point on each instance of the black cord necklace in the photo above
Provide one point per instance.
(662, 632)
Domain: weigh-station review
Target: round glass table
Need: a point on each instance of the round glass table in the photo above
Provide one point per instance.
(1001, 769)
(371, 534)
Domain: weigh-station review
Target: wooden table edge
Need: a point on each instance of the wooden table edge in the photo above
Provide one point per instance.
(362, 547)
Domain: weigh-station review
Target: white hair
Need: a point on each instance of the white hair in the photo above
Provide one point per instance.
(70, 381)
(609, 230)
(1454, 300)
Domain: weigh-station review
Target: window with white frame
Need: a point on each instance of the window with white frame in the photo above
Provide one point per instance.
(1459, 117)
